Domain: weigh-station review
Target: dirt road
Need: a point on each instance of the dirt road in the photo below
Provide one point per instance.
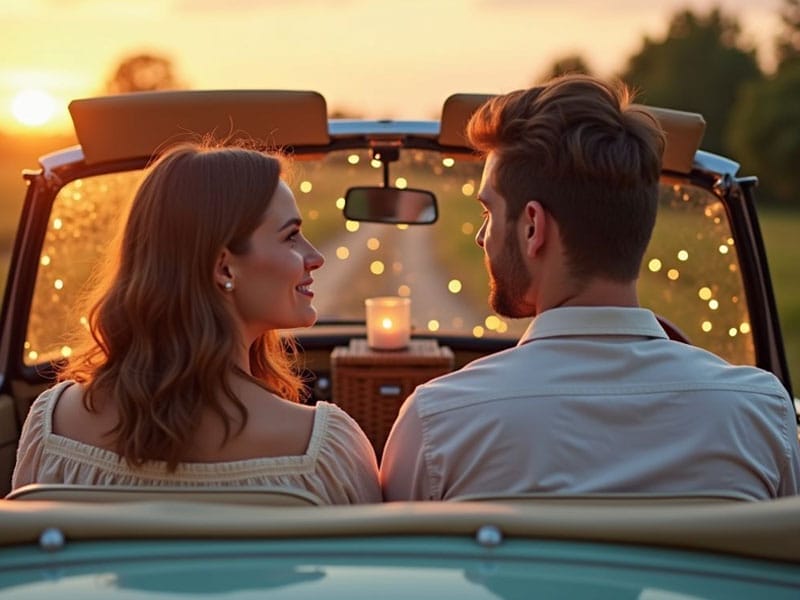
(409, 260)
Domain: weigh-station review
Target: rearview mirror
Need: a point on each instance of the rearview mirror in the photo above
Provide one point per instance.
(390, 205)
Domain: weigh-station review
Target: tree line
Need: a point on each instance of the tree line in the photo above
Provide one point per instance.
(702, 65)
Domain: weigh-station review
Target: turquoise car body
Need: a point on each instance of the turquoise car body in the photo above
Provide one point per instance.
(577, 548)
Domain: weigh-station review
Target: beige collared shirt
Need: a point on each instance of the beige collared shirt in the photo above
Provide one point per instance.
(595, 400)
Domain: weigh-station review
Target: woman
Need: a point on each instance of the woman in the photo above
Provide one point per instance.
(186, 381)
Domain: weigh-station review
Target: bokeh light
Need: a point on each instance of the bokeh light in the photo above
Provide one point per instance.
(454, 285)
(492, 322)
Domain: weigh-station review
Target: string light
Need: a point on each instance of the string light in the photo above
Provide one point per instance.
(454, 285)
(491, 322)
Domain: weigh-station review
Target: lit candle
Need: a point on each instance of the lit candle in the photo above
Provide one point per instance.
(388, 322)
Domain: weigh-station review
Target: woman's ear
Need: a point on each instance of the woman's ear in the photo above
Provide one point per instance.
(535, 222)
(222, 270)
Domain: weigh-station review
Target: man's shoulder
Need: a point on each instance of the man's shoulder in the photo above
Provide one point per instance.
(705, 366)
(482, 380)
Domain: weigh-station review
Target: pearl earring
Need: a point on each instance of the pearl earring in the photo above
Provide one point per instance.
(228, 286)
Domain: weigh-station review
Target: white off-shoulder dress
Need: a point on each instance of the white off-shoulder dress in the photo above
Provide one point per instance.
(339, 464)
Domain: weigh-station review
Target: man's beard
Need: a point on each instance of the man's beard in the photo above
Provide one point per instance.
(508, 281)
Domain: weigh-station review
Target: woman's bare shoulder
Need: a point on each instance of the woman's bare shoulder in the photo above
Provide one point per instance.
(71, 394)
(72, 419)
(285, 426)
(273, 427)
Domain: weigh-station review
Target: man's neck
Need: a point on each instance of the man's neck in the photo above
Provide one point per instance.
(596, 292)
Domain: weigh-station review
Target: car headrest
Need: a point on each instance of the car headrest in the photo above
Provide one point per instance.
(684, 130)
(139, 124)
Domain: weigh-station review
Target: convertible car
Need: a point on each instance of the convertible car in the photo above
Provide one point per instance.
(392, 206)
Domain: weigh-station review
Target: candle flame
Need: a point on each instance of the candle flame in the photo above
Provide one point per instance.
(386, 323)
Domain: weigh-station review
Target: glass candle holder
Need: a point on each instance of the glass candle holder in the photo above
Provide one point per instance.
(388, 322)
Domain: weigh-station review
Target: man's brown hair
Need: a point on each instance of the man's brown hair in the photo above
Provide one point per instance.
(578, 146)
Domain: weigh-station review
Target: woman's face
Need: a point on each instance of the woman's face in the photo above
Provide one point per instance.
(272, 280)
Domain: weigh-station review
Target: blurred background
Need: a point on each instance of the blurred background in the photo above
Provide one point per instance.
(735, 61)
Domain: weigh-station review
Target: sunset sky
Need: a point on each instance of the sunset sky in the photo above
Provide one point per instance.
(380, 59)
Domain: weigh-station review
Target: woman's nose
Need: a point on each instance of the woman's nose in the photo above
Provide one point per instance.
(314, 259)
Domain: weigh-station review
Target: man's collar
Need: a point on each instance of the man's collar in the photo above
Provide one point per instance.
(593, 321)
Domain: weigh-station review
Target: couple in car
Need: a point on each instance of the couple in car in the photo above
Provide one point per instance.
(184, 380)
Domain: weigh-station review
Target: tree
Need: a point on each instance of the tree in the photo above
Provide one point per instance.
(765, 133)
(143, 73)
(571, 63)
(787, 45)
(699, 66)
(764, 127)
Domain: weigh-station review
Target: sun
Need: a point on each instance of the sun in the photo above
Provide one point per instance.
(33, 107)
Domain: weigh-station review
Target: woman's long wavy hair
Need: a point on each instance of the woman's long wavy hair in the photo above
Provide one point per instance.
(162, 341)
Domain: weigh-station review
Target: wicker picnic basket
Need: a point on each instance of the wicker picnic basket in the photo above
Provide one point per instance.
(371, 385)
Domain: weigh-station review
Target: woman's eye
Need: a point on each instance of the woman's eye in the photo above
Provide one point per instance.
(293, 236)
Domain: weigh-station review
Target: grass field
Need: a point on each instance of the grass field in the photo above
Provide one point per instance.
(781, 230)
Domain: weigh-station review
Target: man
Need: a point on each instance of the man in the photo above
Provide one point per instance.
(595, 397)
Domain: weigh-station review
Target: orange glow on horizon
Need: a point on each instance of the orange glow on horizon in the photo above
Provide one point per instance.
(70, 50)
(33, 108)
(34, 100)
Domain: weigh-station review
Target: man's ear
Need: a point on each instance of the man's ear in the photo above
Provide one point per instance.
(535, 223)
(222, 271)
